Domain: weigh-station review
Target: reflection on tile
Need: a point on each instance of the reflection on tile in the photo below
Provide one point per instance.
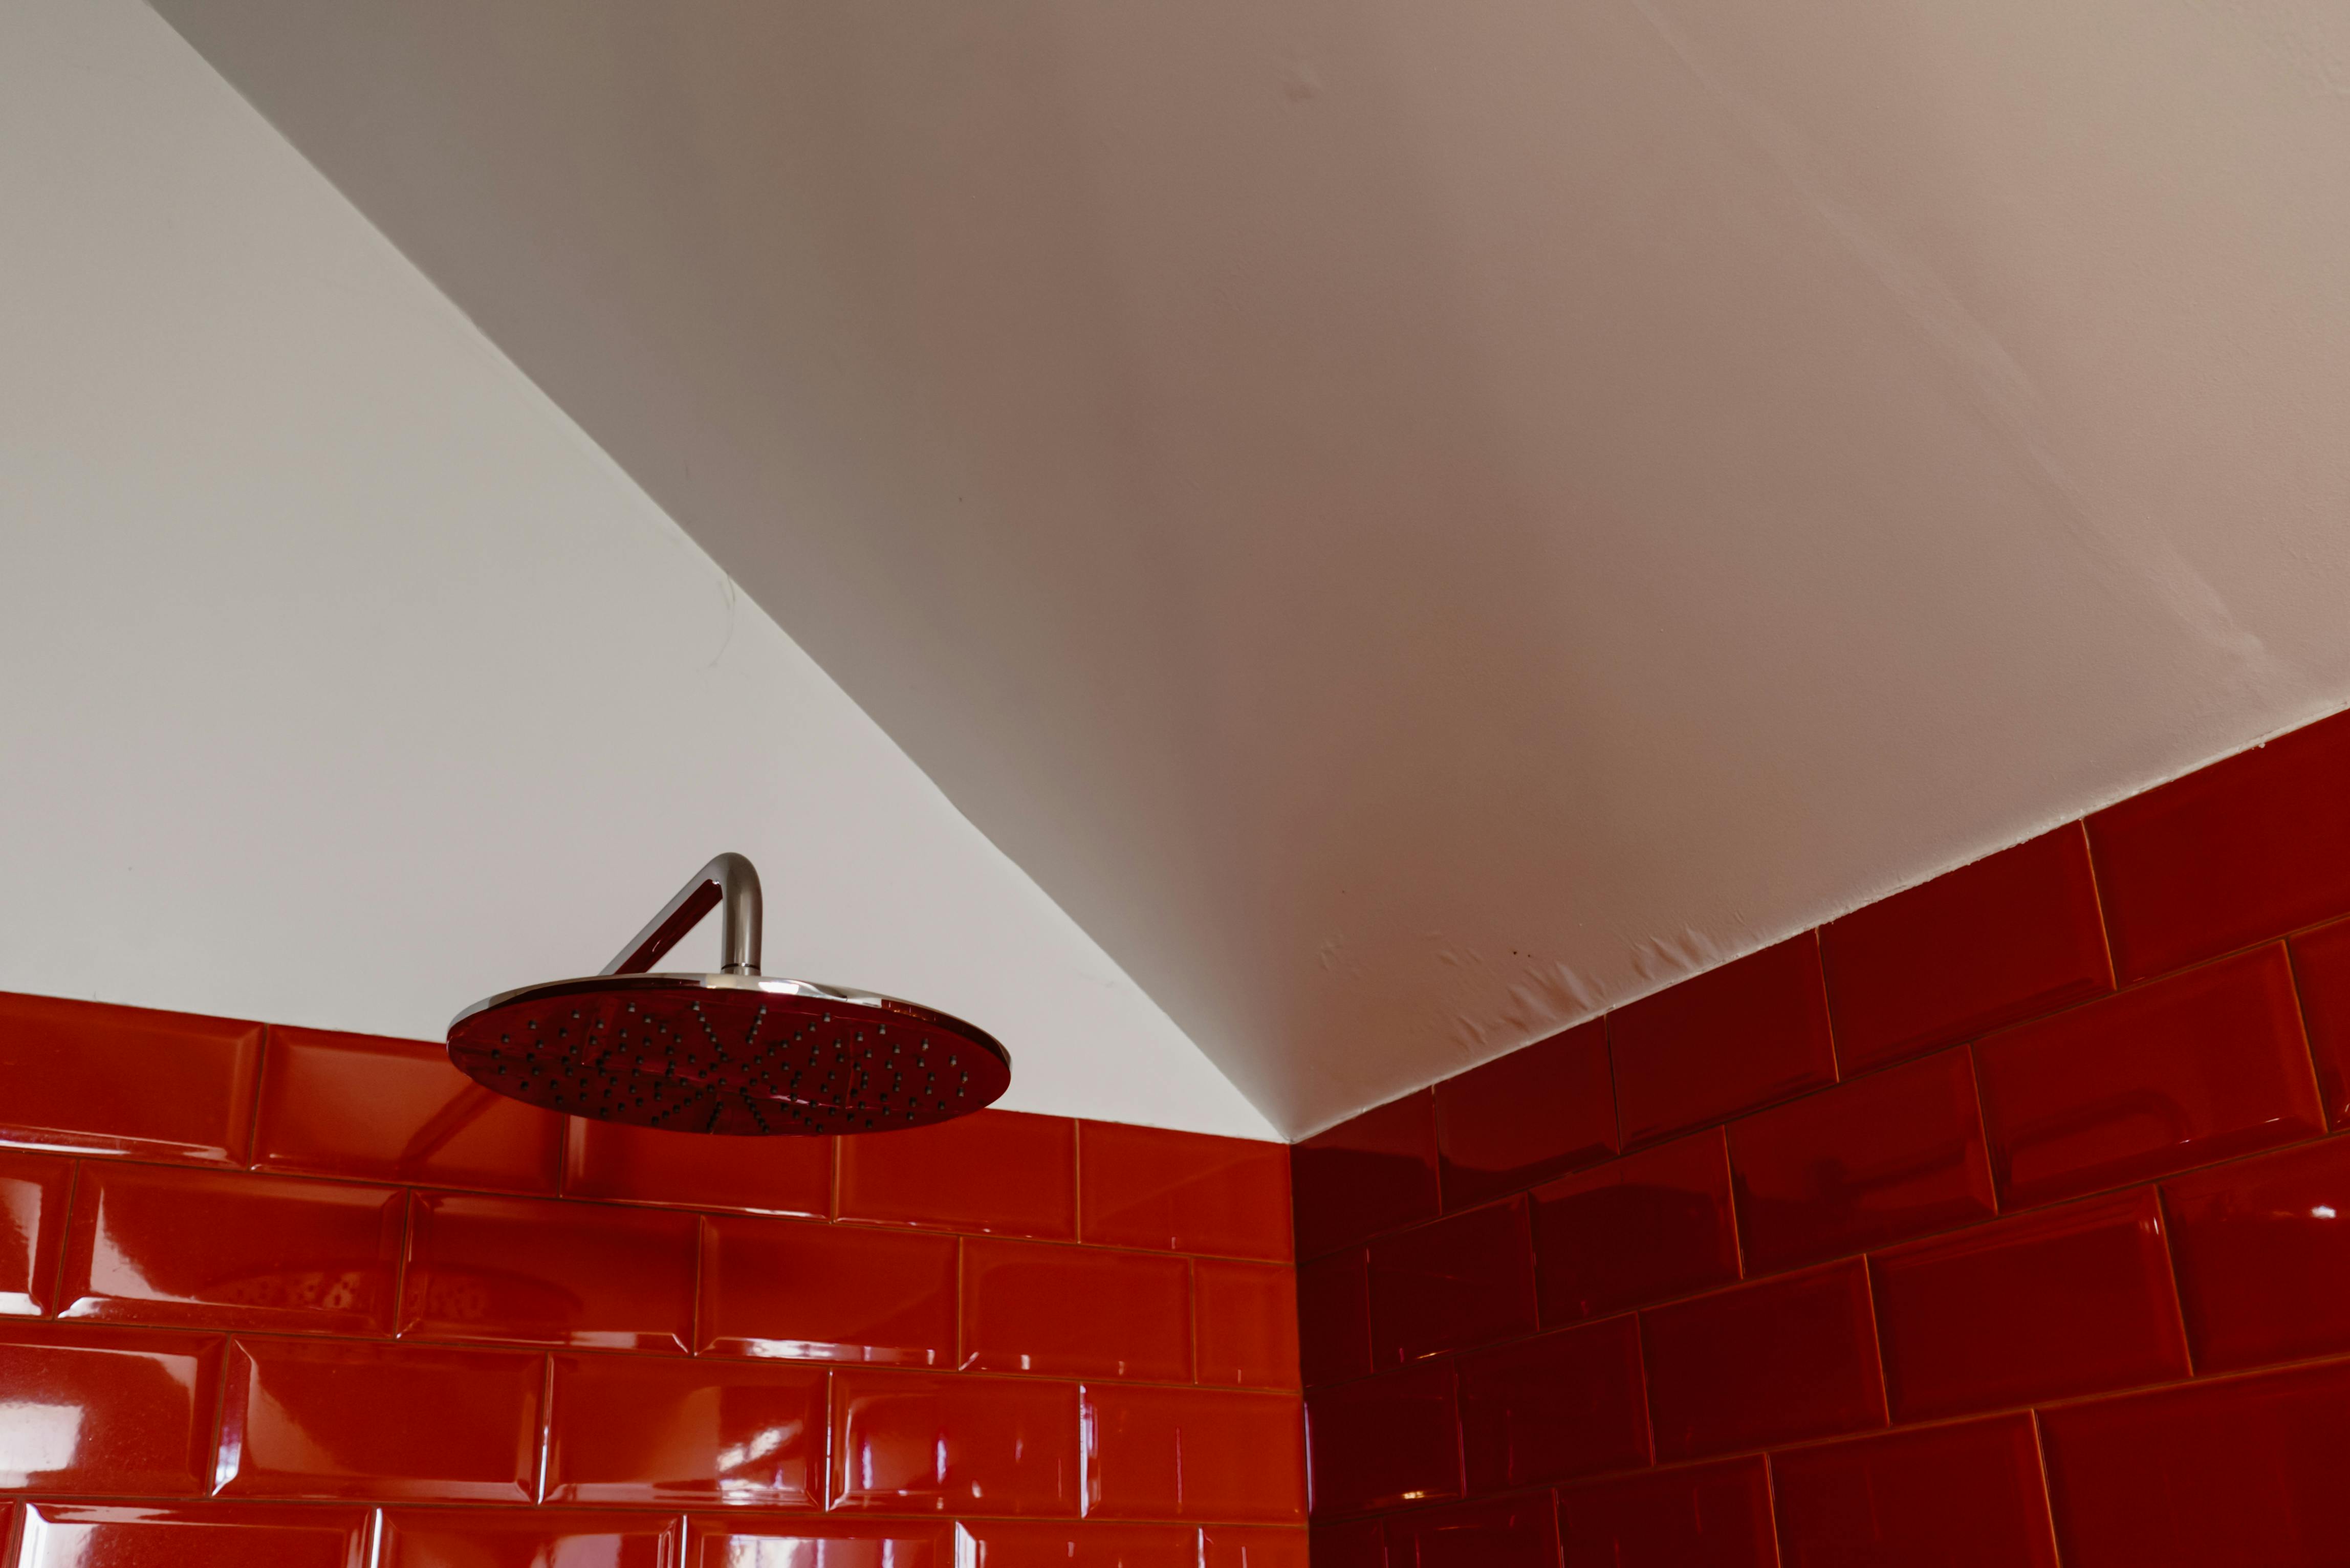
(1240, 1546)
(2250, 846)
(909, 1442)
(214, 1249)
(2263, 1252)
(1002, 1173)
(1075, 1310)
(536, 1272)
(332, 1419)
(2070, 1301)
(1645, 1227)
(1568, 1403)
(1747, 1035)
(652, 1430)
(1699, 1516)
(2194, 1068)
(1526, 1117)
(1786, 1359)
(646, 1165)
(2239, 1470)
(1969, 1493)
(2010, 935)
(1183, 1192)
(1466, 1279)
(1246, 1323)
(106, 1412)
(85, 1075)
(32, 1188)
(541, 1538)
(736, 1541)
(395, 1110)
(201, 1535)
(996, 1544)
(1383, 1440)
(1891, 1156)
(1520, 1533)
(800, 1291)
(1194, 1453)
(1374, 1173)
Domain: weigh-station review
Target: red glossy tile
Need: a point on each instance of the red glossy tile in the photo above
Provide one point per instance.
(1076, 1312)
(1967, 1496)
(1526, 1118)
(2263, 1253)
(1183, 1192)
(999, 1173)
(733, 1540)
(484, 1538)
(2077, 1300)
(1757, 1364)
(998, 1543)
(1374, 1173)
(907, 1442)
(215, 1248)
(651, 1430)
(534, 1272)
(1704, 1516)
(1206, 1454)
(106, 1412)
(1363, 1545)
(199, 1535)
(2321, 971)
(1732, 1039)
(87, 1076)
(2181, 1072)
(1245, 1323)
(337, 1419)
(1568, 1403)
(1885, 1158)
(1646, 1228)
(1518, 1532)
(33, 1190)
(1236, 1546)
(1467, 1280)
(827, 1292)
(2006, 937)
(2249, 848)
(2241, 1473)
(1333, 1318)
(645, 1165)
(395, 1110)
(1383, 1440)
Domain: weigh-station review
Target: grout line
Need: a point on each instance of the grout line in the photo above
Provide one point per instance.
(1983, 1130)
(2047, 1488)
(2177, 1283)
(2097, 903)
(262, 1055)
(1770, 1507)
(52, 1300)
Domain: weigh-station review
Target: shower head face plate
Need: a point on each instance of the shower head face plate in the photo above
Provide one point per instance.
(745, 1054)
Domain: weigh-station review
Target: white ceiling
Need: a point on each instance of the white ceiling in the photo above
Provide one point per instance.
(344, 681)
(1414, 520)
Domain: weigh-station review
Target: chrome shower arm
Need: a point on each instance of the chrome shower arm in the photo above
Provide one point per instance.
(728, 879)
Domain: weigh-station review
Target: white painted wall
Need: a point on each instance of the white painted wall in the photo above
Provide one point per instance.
(344, 681)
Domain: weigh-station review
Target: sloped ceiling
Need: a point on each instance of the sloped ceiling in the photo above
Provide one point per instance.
(1415, 522)
(343, 682)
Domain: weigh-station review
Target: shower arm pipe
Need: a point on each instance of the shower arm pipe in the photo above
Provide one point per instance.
(728, 879)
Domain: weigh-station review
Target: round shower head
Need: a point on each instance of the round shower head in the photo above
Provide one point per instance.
(734, 1052)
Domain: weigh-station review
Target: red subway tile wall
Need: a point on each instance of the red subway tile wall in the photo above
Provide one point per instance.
(280, 1296)
(2005, 1221)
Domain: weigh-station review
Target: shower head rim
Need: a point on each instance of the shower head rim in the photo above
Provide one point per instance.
(768, 984)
